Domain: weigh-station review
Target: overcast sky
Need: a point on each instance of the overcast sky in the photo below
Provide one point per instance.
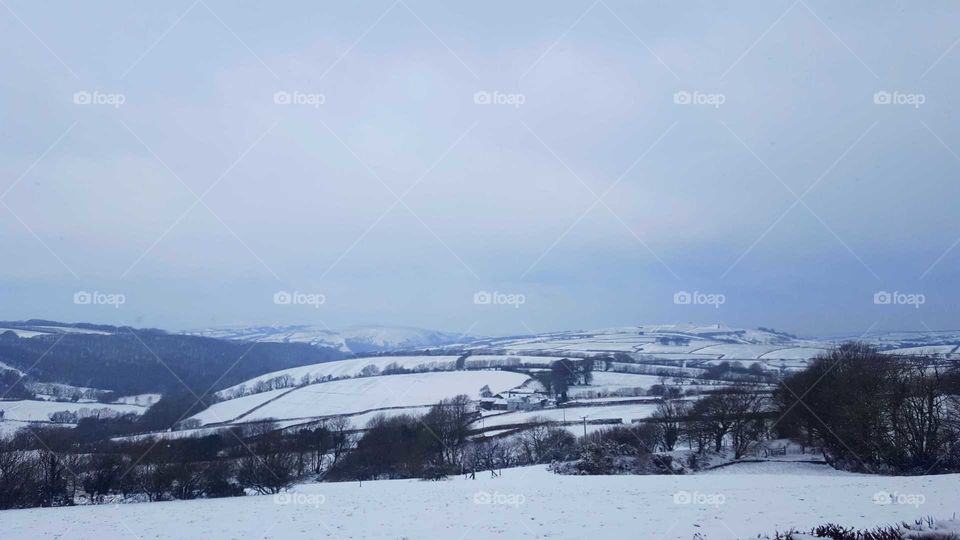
(617, 153)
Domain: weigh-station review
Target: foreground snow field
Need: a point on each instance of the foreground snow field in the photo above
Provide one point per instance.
(736, 502)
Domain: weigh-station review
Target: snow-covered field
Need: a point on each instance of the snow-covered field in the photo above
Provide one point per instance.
(926, 350)
(626, 413)
(792, 353)
(9, 427)
(524, 503)
(359, 395)
(737, 351)
(611, 381)
(353, 367)
(503, 360)
(349, 368)
(144, 400)
(40, 411)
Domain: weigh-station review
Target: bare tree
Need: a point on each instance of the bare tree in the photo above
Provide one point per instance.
(341, 440)
(669, 417)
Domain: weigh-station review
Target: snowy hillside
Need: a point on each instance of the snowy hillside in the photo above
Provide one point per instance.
(344, 369)
(29, 329)
(358, 395)
(357, 339)
(689, 342)
(675, 343)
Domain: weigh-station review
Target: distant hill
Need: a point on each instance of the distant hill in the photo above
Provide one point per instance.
(135, 361)
(692, 342)
(126, 360)
(354, 339)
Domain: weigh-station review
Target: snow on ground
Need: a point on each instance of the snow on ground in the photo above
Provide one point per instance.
(51, 391)
(9, 427)
(22, 333)
(499, 360)
(71, 330)
(673, 342)
(358, 421)
(7, 367)
(793, 353)
(144, 400)
(359, 395)
(625, 413)
(357, 339)
(524, 503)
(350, 368)
(612, 399)
(167, 435)
(790, 465)
(226, 411)
(661, 348)
(40, 411)
(600, 346)
(927, 350)
(611, 381)
(738, 351)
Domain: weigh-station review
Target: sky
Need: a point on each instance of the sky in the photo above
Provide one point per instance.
(486, 168)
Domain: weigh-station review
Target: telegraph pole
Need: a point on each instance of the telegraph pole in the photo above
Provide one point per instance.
(584, 426)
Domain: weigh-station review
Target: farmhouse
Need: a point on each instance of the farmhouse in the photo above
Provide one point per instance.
(525, 399)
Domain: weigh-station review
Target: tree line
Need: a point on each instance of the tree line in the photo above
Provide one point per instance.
(875, 412)
(62, 467)
(861, 409)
